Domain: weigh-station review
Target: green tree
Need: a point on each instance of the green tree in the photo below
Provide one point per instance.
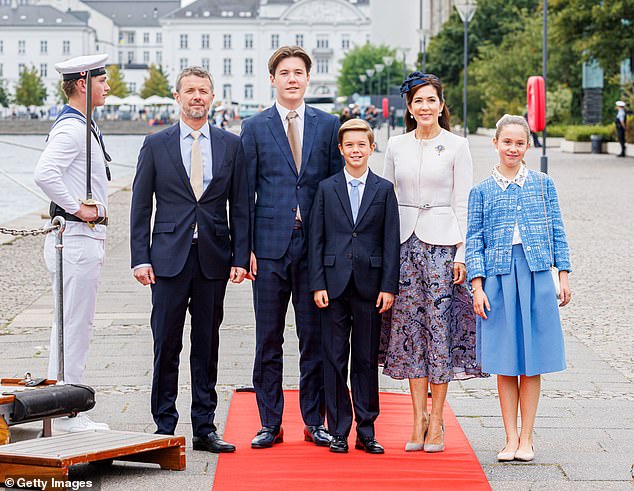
(4, 96)
(156, 84)
(361, 58)
(60, 97)
(600, 30)
(115, 80)
(30, 90)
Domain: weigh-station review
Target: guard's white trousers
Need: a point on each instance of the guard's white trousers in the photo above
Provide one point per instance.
(83, 259)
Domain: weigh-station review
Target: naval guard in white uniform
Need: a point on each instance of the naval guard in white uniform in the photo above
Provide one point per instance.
(61, 174)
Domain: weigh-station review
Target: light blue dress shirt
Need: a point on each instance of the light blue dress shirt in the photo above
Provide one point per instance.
(205, 149)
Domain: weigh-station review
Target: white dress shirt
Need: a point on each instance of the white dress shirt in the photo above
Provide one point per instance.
(61, 173)
(283, 112)
(361, 186)
(432, 179)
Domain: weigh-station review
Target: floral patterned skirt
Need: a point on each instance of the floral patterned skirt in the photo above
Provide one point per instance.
(431, 329)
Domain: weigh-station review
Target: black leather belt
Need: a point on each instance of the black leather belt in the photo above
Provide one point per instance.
(73, 218)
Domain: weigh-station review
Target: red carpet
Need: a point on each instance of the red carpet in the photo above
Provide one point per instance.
(298, 465)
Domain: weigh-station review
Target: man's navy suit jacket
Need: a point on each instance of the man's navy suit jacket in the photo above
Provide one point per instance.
(275, 188)
(161, 175)
(370, 248)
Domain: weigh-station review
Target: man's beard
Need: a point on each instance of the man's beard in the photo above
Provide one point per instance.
(196, 113)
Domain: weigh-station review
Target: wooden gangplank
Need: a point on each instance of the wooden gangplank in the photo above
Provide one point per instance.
(48, 458)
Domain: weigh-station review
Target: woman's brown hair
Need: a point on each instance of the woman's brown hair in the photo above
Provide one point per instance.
(411, 85)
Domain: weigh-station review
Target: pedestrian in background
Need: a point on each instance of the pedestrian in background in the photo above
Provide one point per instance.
(515, 234)
(430, 339)
(621, 125)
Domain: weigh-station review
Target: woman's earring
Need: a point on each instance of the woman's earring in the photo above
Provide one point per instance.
(411, 116)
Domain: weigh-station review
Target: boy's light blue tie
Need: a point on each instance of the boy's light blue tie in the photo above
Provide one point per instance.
(354, 198)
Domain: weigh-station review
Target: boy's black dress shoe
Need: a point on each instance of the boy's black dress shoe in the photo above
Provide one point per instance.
(318, 435)
(369, 444)
(339, 444)
(267, 436)
(212, 443)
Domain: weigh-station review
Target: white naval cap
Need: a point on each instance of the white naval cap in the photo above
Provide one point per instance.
(620, 103)
(76, 68)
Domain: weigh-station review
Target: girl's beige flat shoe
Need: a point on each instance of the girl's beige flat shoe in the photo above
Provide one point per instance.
(525, 455)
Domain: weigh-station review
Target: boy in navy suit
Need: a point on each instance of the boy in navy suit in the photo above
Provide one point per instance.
(353, 272)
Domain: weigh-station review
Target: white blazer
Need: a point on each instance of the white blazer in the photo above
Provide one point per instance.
(432, 179)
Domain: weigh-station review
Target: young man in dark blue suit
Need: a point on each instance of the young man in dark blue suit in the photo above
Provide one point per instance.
(354, 272)
(192, 171)
(289, 147)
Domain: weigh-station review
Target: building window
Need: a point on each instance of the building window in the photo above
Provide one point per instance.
(275, 41)
(322, 65)
(159, 57)
(248, 66)
(226, 92)
(159, 37)
(184, 41)
(1, 46)
(299, 40)
(204, 41)
(1, 69)
(226, 66)
(43, 47)
(21, 47)
(205, 63)
(146, 38)
(183, 63)
(65, 47)
(248, 41)
(43, 70)
(130, 57)
(130, 37)
(120, 57)
(345, 41)
(226, 41)
(132, 87)
(20, 68)
(146, 57)
(248, 92)
(322, 41)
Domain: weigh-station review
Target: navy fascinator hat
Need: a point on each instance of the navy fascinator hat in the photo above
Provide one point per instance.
(418, 78)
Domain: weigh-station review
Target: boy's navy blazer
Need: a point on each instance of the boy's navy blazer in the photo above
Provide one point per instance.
(161, 175)
(275, 188)
(338, 246)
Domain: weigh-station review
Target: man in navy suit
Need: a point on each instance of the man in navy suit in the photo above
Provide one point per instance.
(192, 170)
(354, 272)
(290, 147)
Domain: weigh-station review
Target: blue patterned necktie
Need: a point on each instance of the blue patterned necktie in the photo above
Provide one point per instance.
(354, 198)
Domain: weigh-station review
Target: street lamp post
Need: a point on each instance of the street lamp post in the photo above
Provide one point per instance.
(379, 67)
(466, 9)
(363, 78)
(388, 60)
(370, 73)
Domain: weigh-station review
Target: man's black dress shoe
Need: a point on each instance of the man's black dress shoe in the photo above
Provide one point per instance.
(339, 444)
(212, 443)
(267, 436)
(318, 435)
(368, 444)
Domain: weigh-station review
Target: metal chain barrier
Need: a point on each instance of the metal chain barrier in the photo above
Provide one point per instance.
(24, 232)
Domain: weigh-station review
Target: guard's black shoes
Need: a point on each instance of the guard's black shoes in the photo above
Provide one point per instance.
(369, 444)
(339, 444)
(267, 436)
(212, 443)
(318, 435)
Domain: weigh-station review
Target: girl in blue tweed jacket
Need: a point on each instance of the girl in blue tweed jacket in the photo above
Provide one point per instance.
(515, 233)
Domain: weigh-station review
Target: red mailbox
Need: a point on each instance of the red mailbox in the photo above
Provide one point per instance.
(386, 109)
(536, 101)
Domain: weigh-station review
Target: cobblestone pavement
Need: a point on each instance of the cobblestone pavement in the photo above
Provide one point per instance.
(584, 427)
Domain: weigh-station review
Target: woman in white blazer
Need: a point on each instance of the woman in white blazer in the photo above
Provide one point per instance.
(430, 336)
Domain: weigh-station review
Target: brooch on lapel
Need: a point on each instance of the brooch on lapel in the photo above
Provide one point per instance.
(439, 148)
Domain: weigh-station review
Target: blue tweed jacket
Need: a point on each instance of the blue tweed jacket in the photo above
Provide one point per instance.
(491, 220)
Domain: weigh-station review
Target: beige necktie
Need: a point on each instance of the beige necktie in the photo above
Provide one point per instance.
(293, 139)
(196, 171)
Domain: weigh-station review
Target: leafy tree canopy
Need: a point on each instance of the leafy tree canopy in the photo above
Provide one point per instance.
(30, 90)
(116, 82)
(4, 96)
(364, 57)
(156, 84)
